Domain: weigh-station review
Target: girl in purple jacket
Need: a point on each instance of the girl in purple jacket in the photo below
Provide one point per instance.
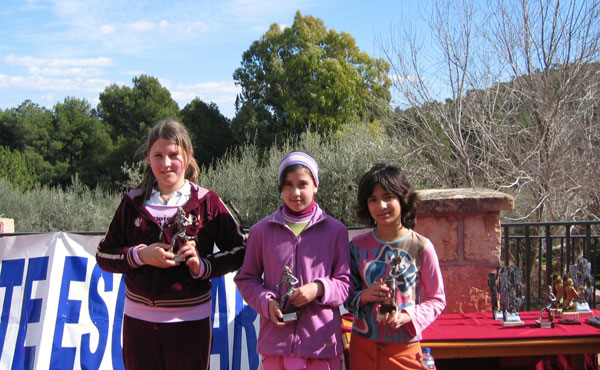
(296, 274)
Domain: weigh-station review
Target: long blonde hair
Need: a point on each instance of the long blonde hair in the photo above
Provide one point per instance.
(175, 132)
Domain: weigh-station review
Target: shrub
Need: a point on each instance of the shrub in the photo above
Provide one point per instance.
(46, 209)
(15, 168)
(247, 178)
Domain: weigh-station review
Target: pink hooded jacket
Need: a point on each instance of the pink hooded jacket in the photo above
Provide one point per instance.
(319, 253)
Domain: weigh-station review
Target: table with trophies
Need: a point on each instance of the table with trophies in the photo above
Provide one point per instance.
(565, 324)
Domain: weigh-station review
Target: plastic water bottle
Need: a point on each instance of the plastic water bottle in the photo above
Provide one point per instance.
(427, 359)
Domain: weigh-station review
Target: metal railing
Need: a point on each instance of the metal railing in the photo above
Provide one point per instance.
(541, 249)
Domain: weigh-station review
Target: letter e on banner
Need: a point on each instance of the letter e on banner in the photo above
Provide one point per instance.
(68, 313)
(100, 318)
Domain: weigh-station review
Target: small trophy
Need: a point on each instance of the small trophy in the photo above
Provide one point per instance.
(569, 309)
(550, 300)
(559, 292)
(288, 280)
(180, 235)
(583, 281)
(512, 295)
(389, 304)
(493, 284)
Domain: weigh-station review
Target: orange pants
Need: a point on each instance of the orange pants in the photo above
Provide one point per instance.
(272, 362)
(368, 354)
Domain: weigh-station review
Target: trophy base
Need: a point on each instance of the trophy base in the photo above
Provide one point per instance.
(513, 323)
(545, 324)
(288, 317)
(385, 308)
(512, 319)
(583, 307)
(570, 317)
(178, 258)
(594, 320)
(569, 322)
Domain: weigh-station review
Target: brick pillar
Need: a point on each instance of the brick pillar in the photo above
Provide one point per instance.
(7, 225)
(464, 227)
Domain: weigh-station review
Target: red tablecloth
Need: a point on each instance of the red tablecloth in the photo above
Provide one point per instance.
(481, 326)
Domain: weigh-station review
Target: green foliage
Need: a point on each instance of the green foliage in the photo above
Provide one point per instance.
(80, 144)
(134, 173)
(15, 169)
(28, 129)
(246, 127)
(241, 178)
(248, 177)
(209, 130)
(345, 156)
(306, 76)
(60, 143)
(46, 209)
(130, 112)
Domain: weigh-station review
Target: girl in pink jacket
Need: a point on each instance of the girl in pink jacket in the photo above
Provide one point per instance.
(296, 274)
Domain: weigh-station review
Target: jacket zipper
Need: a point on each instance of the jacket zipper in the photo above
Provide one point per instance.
(152, 289)
(296, 255)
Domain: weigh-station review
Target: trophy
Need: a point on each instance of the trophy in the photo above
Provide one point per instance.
(583, 283)
(288, 280)
(493, 284)
(180, 235)
(550, 300)
(577, 290)
(558, 290)
(569, 309)
(389, 304)
(512, 295)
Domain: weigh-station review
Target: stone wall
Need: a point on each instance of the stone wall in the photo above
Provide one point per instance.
(7, 225)
(464, 226)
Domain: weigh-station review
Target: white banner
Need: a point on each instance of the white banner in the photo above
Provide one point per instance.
(61, 311)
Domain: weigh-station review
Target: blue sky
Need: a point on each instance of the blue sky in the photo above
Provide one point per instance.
(53, 49)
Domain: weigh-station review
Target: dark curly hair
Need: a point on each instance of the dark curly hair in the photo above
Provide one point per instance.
(392, 179)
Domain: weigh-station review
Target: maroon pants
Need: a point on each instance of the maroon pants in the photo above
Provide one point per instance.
(176, 346)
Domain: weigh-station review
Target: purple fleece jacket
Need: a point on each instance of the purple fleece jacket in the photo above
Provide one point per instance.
(319, 253)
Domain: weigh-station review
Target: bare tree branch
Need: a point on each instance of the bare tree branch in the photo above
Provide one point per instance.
(521, 81)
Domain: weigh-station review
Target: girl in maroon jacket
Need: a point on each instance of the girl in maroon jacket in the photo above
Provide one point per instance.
(162, 238)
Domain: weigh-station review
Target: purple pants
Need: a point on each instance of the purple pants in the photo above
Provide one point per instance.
(178, 346)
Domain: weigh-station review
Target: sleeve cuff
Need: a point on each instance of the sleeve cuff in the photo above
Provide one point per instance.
(411, 325)
(265, 303)
(202, 269)
(326, 291)
(133, 256)
(205, 269)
